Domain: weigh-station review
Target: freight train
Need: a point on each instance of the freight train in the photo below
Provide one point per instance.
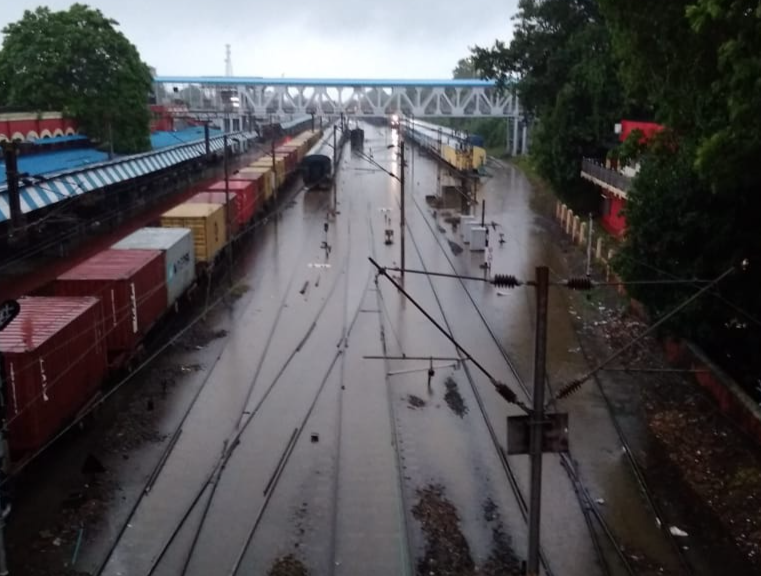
(319, 162)
(463, 152)
(91, 322)
(276, 130)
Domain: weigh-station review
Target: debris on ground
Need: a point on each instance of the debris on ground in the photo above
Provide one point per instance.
(199, 336)
(453, 398)
(447, 552)
(239, 290)
(133, 427)
(415, 401)
(698, 461)
(455, 247)
(440, 228)
(502, 559)
(288, 565)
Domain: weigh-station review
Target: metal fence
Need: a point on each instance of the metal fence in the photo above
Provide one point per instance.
(606, 175)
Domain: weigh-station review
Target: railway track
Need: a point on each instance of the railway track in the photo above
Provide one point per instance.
(156, 471)
(337, 362)
(589, 509)
(509, 472)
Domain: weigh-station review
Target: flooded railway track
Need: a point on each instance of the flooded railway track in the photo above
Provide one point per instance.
(233, 439)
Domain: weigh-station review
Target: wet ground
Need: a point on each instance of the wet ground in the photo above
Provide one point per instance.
(274, 446)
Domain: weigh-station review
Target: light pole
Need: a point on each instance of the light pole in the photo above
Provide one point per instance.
(228, 221)
(401, 219)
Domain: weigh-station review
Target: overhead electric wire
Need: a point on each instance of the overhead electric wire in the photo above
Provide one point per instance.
(576, 383)
(201, 316)
(633, 463)
(501, 388)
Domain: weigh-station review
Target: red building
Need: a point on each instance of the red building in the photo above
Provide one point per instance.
(614, 182)
(30, 126)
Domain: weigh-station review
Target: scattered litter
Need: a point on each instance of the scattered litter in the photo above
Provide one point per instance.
(315, 437)
(288, 566)
(415, 401)
(574, 350)
(453, 398)
(600, 501)
(441, 229)
(676, 531)
(455, 247)
(501, 293)
(56, 542)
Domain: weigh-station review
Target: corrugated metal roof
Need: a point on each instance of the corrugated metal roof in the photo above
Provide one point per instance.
(152, 239)
(43, 192)
(231, 185)
(47, 162)
(110, 265)
(40, 318)
(60, 139)
(164, 139)
(198, 210)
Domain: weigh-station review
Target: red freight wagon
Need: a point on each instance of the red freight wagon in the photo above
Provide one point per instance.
(53, 359)
(247, 195)
(131, 287)
(219, 198)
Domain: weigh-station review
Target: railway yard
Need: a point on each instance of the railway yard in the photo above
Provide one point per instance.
(296, 414)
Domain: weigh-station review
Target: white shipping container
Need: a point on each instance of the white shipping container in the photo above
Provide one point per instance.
(179, 259)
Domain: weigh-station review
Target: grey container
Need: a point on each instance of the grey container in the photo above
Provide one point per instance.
(179, 259)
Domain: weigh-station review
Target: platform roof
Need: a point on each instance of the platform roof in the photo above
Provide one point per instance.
(42, 189)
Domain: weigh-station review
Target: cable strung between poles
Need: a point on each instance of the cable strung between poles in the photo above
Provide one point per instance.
(502, 389)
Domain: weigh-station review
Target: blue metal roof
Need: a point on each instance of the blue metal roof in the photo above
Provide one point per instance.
(40, 193)
(58, 161)
(331, 82)
(164, 139)
(60, 139)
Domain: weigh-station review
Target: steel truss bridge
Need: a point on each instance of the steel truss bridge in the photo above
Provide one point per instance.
(236, 102)
(240, 96)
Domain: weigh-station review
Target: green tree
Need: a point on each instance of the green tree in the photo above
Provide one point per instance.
(77, 61)
(694, 207)
(567, 80)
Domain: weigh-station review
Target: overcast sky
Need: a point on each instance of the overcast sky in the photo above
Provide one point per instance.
(317, 38)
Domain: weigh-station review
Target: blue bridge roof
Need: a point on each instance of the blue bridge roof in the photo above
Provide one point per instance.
(331, 82)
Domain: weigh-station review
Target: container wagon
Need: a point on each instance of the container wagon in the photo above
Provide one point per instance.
(176, 244)
(130, 285)
(247, 197)
(262, 181)
(207, 224)
(220, 199)
(53, 360)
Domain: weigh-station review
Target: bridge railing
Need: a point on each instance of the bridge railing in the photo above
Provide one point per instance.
(598, 171)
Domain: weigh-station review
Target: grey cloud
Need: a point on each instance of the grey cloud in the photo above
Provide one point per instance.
(404, 38)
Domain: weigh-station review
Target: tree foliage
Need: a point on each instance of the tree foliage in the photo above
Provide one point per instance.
(567, 80)
(76, 61)
(694, 66)
(694, 206)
